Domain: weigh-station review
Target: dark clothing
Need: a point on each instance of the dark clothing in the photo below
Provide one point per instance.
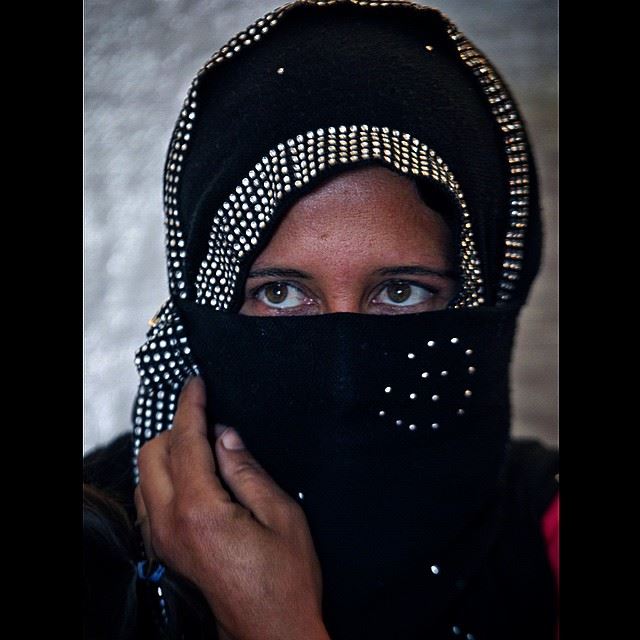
(515, 581)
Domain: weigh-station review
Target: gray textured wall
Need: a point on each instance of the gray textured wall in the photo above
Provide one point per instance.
(140, 56)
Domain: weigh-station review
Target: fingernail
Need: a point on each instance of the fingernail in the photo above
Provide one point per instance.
(231, 440)
(219, 429)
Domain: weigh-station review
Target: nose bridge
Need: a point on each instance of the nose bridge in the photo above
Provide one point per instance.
(345, 296)
(342, 289)
(344, 304)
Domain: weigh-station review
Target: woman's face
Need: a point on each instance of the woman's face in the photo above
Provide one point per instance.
(362, 242)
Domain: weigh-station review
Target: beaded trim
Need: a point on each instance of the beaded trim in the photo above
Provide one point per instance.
(516, 148)
(238, 223)
(164, 362)
(502, 107)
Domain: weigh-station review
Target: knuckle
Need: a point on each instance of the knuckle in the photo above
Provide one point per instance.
(190, 515)
(247, 468)
(293, 511)
(287, 513)
(197, 527)
(178, 439)
(151, 449)
(145, 454)
(162, 438)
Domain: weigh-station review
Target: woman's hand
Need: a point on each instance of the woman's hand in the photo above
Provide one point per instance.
(255, 561)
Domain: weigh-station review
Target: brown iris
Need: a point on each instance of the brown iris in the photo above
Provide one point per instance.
(276, 293)
(399, 292)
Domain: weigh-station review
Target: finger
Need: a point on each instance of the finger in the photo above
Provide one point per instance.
(193, 467)
(138, 500)
(222, 634)
(143, 522)
(254, 488)
(155, 488)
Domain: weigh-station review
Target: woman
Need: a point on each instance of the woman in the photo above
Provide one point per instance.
(360, 163)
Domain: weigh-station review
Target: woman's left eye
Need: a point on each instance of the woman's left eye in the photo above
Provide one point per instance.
(403, 294)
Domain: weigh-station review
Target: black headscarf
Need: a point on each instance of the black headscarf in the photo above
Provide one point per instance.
(392, 432)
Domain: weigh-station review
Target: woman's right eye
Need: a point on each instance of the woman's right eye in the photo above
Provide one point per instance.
(280, 295)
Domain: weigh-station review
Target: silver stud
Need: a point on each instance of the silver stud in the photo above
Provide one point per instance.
(435, 398)
(454, 341)
(300, 495)
(471, 369)
(468, 393)
(435, 569)
(456, 630)
(460, 412)
(428, 47)
(382, 413)
(425, 374)
(435, 425)
(444, 373)
(412, 427)
(470, 636)
(399, 423)
(413, 396)
(468, 352)
(394, 145)
(411, 356)
(387, 389)
(431, 343)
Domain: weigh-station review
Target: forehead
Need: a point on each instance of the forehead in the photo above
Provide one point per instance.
(370, 212)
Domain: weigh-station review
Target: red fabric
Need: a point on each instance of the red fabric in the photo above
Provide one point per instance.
(551, 532)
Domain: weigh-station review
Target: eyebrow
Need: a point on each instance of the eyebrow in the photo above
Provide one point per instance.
(277, 272)
(415, 270)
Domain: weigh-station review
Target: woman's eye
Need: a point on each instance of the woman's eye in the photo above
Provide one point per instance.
(403, 294)
(280, 295)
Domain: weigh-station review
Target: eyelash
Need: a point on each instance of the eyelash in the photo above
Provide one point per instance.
(389, 283)
(421, 285)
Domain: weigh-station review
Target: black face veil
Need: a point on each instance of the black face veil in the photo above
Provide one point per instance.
(391, 431)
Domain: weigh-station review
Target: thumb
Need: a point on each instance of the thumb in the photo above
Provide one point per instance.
(250, 483)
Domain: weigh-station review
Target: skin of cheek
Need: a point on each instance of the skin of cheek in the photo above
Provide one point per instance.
(342, 232)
